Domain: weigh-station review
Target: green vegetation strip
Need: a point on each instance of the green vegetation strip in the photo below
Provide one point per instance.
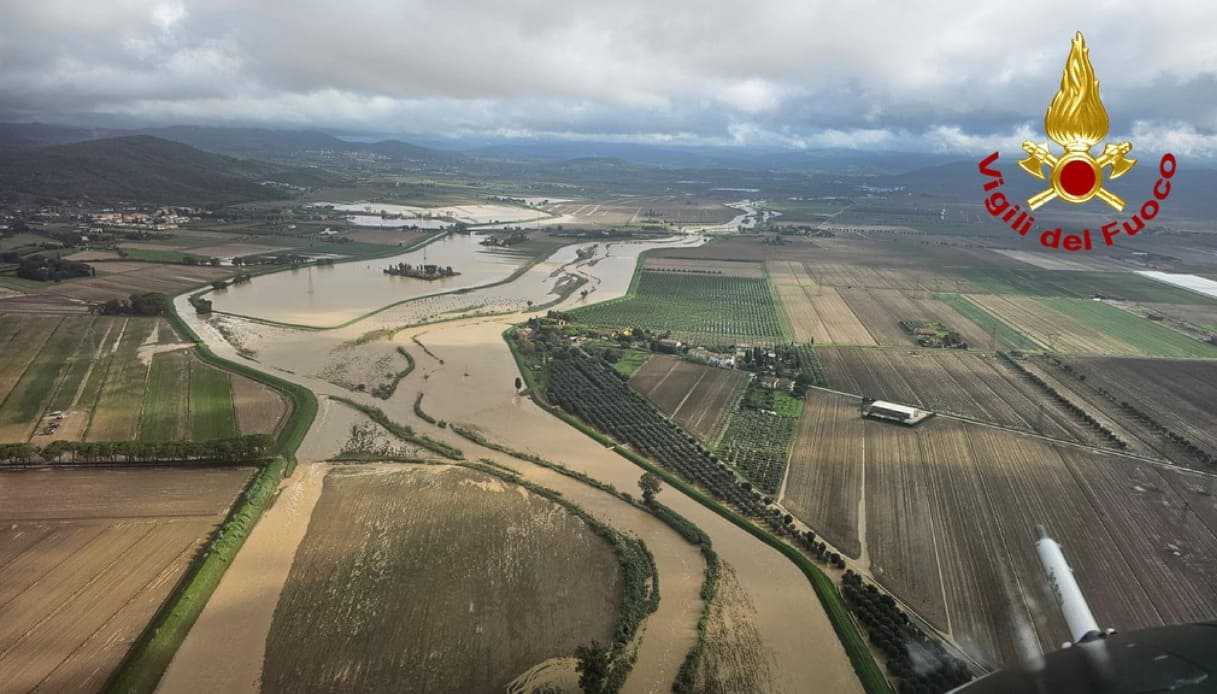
(1002, 332)
(1138, 332)
(151, 653)
(402, 431)
(870, 674)
(211, 408)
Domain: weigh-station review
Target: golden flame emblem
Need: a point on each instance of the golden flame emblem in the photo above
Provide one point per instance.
(1077, 121)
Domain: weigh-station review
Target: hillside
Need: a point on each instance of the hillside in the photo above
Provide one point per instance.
(145, 169)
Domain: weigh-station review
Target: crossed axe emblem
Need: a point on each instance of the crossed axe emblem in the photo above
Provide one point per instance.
(1076, 176)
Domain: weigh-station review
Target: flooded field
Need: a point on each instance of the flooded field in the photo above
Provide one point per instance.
(328, 295)
(387, 214)
(472, 385)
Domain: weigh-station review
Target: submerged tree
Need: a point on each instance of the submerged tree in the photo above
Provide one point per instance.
(650, 485)
(593, 667)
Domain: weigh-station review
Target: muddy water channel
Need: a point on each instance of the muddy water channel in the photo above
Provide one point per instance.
(473, 385)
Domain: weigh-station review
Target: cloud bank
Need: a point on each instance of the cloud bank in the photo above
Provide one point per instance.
(951, 77)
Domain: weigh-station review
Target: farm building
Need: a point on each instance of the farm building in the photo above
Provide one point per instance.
(893, 412)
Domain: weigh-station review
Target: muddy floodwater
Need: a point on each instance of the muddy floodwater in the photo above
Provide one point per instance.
(793, 643)
(325, 296)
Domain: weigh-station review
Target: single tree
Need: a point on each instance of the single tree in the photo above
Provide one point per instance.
(650, 485)
(593, 667)
(519, 383)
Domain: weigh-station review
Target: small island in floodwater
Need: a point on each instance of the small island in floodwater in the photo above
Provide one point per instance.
(421, 272)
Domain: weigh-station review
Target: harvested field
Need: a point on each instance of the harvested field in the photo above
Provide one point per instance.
(1180, 394)
(86, 559)
(705, 267)
(511, 580)
(881, 311)
(958, 382)
(1059, 332)
(134, 278)
(825, 307)
(826, 470)
(950, 515)
(694, 395)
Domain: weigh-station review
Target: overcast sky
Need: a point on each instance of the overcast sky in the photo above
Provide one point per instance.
(950, 76)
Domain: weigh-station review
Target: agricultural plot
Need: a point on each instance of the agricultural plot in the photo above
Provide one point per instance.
(86, 559)
(815, 313)
(134, 278)
(701, 309)
(956, 382)
(1076, 326)
(881, 311)
(824, 484)
(1145, 336)
(1181, 393)
(590, 389)
(757, 443)
(1001, 335)
(696, 396)
(1126, 286)
(511, 580)
(1056, 331)
(950, 510)
(119, 379)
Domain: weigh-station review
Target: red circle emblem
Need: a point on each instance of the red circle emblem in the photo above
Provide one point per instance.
(1078, 178)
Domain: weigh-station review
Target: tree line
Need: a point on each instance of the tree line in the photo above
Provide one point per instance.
(240, 449)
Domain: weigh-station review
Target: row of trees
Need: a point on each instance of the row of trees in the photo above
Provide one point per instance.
(239, 449)
(919, 662)
(1067, 404)
(1148, 420)
(147, 304)
(43, 269)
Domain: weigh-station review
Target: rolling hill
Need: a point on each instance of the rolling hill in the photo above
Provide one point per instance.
(141, 168)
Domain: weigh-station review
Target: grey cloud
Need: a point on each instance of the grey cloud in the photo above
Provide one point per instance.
(864, 74)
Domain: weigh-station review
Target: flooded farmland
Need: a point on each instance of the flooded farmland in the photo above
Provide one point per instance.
(325, 296)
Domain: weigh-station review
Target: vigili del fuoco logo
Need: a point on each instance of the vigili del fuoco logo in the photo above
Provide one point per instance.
(1077, 121)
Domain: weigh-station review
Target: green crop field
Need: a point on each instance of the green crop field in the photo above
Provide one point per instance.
(112, 379)
(166, 399)
(24, 404)
(1003, 334)
(705, 310)
(1081, 285)
(1145, 335)
(631, 360)
(212, 415)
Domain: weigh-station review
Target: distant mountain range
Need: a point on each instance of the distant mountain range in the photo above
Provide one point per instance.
(260, 143)
(145, 169)
(268, 143)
